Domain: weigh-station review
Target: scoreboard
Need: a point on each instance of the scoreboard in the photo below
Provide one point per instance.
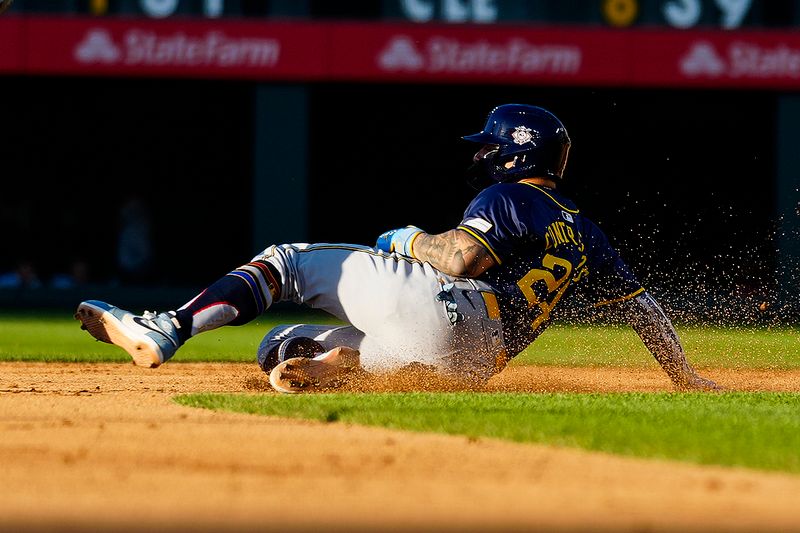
(679, 14)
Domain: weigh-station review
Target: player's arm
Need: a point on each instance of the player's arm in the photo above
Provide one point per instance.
(653, 326)
(453, 252)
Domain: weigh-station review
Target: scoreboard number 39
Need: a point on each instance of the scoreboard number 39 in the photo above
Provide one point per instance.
(681, 14)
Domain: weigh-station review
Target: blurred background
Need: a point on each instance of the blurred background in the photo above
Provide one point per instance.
(150, 146)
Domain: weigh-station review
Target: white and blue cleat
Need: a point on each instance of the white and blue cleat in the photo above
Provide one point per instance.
(150, 339)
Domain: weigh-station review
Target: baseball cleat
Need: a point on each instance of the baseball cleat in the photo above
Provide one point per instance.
(299, 347)
(325, 371)
(150, 339)
(289, 348)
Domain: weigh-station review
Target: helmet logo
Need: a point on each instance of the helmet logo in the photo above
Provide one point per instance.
(522, 135)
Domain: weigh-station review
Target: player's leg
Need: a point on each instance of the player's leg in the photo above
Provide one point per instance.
(393, 300)
(151, 339)
(303, 357)
(408, 311)
(304, 340)
(389, 298)
(235, 299)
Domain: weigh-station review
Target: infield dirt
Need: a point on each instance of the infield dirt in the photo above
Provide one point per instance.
(102, 447)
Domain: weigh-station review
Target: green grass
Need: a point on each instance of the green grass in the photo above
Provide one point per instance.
(754, 430)
(705, 347)
(57, 337)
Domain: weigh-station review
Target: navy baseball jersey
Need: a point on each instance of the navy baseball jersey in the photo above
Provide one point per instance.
(545, 250)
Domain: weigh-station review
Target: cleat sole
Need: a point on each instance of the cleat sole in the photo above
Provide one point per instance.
(324, 372)
(107, 328)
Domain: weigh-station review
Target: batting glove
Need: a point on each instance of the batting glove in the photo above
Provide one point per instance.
(399, 240)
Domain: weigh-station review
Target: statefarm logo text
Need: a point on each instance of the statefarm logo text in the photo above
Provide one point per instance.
(741, 60)
(446, 55)
(146, 48)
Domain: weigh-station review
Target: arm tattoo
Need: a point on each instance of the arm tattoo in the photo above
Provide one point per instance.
(454, 252)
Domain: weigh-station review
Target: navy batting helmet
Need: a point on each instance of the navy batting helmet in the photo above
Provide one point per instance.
(531, 142)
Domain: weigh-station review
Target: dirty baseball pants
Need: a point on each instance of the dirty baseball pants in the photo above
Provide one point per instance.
(398, 310)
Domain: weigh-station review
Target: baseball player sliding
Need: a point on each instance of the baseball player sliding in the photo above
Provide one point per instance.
(464, 301)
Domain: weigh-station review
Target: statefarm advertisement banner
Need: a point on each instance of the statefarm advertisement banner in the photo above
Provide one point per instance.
(485, 54)
(671, 58)
(173, 48)
(429, 53)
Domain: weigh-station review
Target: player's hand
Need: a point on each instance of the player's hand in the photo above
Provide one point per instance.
(398, 240)
(693, 382)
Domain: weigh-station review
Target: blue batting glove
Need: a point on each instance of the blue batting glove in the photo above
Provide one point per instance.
(398, 240)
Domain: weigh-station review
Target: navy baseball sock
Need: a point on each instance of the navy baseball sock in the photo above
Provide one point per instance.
(235, 299)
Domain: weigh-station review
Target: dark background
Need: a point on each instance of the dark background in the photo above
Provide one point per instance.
(680, 180)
